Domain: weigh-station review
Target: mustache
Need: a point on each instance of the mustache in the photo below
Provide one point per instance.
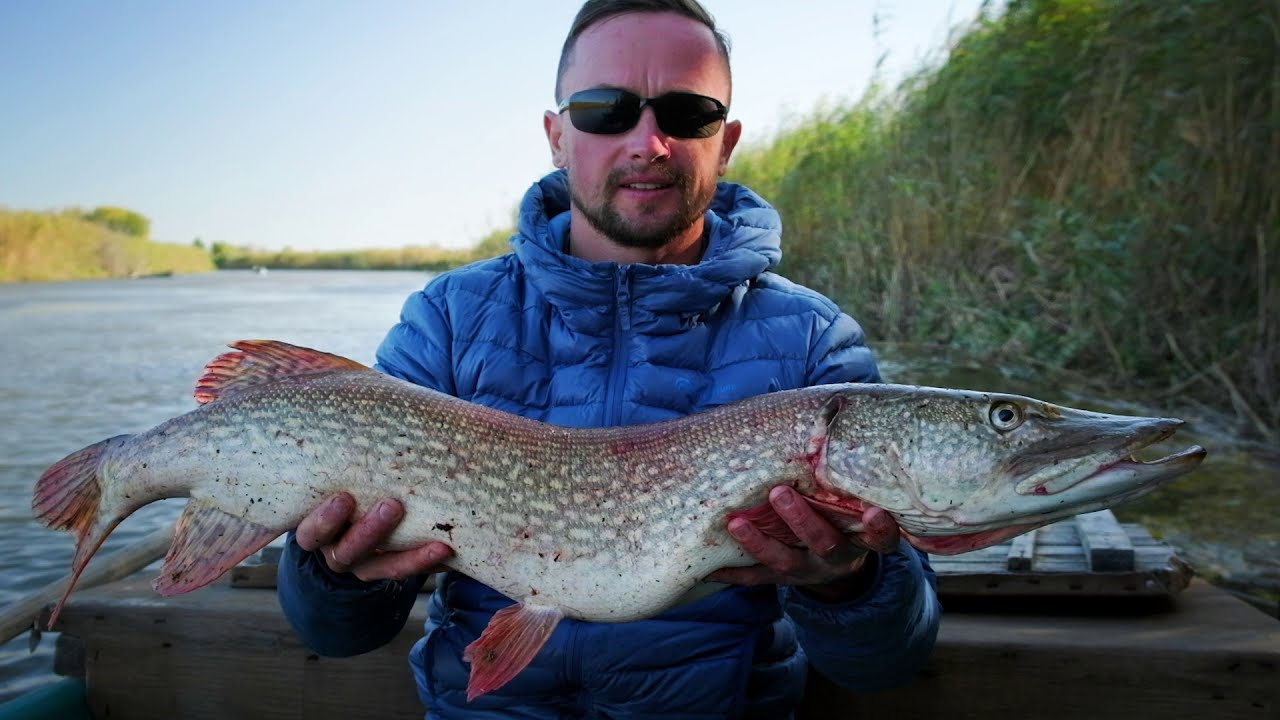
(660, 173)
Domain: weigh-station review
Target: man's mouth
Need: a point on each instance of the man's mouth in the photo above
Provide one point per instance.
(646, 186)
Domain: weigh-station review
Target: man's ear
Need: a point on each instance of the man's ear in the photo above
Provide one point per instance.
(732, 133)
(553, 123)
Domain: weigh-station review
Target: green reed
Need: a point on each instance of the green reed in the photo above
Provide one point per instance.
(1083, 184)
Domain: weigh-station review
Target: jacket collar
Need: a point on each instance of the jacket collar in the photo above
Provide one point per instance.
(745, 241)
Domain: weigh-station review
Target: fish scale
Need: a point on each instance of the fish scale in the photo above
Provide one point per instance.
(604, 524)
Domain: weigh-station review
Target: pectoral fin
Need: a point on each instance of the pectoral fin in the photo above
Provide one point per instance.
(768, 522)
(846, 518)
(208, 542)
(508, 644)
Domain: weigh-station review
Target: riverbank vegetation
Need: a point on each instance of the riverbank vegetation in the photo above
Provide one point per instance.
(1083, 184)
(411, 257)
(77, 245)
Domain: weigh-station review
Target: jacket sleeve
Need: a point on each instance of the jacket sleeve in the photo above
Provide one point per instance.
(841, 355)
(882, 638)
(338, 614)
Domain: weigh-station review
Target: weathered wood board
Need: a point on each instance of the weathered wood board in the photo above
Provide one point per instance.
(1090, 555)
(229, 653)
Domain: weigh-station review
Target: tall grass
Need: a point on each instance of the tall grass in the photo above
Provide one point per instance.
(1088, 184)
(409, 257)
(38, 246)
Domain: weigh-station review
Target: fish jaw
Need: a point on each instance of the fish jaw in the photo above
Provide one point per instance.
(1117, 483)
(1106, 476)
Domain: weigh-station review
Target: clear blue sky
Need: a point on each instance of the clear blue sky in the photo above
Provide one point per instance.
(322, 125)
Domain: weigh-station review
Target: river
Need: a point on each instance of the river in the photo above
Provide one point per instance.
(83, 361)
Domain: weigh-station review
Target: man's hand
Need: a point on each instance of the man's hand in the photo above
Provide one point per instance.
(829, 563)
(352, 547)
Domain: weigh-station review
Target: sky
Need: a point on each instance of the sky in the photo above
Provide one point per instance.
(324, 125)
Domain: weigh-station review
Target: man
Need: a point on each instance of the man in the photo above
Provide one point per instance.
(638, 290)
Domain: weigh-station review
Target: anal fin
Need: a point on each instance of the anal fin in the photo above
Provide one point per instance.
(508, 644)
(208, 542)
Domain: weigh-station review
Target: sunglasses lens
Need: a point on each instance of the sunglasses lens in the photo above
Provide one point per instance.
(605, 111)
(609, 111)
(685, 115)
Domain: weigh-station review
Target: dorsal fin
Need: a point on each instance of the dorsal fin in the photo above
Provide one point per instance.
(262, 361)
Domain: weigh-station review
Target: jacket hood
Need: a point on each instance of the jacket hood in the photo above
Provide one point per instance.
(745, 241)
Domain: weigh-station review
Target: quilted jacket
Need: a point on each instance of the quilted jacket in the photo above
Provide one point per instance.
(546, 335)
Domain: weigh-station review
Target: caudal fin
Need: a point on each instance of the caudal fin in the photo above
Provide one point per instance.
(68, 497)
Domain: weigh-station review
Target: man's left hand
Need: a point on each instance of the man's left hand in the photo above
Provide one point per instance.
(831, 566)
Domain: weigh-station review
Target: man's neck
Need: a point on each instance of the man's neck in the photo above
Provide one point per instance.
(591, 246)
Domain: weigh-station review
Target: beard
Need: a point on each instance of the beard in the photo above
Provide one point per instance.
(605, 218)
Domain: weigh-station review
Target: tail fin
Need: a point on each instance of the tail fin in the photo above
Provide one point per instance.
(68, 497)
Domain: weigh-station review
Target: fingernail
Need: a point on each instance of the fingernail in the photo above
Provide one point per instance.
(738, 528)
(784, 497)
(386, 510)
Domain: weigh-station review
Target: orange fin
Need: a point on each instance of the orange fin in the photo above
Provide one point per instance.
(208, 542)
(957, 544)
(846, 517)
(768, 521)
(263, 361)
(68, 496)
(508, 644)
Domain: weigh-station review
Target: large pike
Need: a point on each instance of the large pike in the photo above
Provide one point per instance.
(605, 525)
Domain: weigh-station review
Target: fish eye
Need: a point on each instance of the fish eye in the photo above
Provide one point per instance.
(1005, 416)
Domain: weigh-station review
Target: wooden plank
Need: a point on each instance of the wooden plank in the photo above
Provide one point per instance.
(1021, 552)
(20, 616)
(1103, 668)
(221, 653)
(1106, 543)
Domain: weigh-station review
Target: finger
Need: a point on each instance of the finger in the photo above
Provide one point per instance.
(400, 565)
(815, 532)
(880, 531)
(325, 523)
(766, 550)
(754, 575)
(365, 535)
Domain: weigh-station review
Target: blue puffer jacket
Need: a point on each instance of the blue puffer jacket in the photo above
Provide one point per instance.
(546, 335)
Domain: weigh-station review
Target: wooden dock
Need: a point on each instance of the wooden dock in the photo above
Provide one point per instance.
(1091, 555)
(1176, 649)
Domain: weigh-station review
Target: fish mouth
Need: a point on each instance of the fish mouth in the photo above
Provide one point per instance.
(1112, 465)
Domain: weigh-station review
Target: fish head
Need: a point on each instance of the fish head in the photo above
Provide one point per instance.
(949, 462)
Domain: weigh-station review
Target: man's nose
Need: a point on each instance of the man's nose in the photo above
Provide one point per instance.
(646, 141)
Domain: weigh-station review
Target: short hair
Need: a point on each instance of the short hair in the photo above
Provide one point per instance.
(596, 11)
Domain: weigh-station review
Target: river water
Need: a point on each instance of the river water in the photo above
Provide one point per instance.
(83, 361)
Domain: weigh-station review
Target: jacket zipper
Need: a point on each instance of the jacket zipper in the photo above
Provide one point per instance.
(621, 342)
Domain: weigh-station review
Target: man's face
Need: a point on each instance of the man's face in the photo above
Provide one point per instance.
(643, 188)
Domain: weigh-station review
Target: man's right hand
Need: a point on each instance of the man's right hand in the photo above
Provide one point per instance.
(351, 546)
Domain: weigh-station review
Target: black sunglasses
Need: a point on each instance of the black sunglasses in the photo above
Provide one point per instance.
(612, 111)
